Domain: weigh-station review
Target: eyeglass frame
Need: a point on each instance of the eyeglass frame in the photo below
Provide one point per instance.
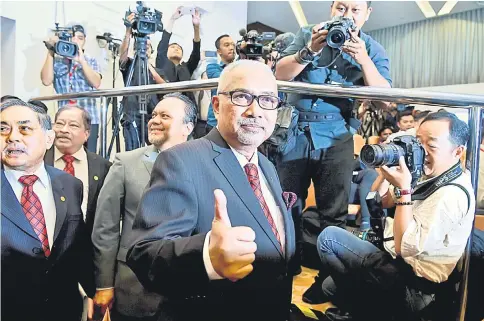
(254, 97)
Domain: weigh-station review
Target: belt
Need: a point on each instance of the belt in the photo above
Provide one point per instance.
(310, 116)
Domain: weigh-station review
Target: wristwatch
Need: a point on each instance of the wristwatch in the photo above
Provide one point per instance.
(400, 192)
(305, 55)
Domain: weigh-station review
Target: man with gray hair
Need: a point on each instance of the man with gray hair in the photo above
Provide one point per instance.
(212, 233)
(172, 121)
(45, 249)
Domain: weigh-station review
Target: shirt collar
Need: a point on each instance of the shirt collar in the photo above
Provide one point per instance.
(243, 160)
(80, 155)
(41, 173)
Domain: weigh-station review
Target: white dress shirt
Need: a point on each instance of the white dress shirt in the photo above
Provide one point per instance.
(43, 189)
(271, 204)
(81, 171)
(435, 239)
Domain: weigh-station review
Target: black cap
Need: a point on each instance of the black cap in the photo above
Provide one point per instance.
(78, 28)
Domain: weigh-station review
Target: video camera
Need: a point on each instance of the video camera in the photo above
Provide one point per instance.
(256, 45)
(338, 31)
(64, 46)
(146, 22)
(388, 154)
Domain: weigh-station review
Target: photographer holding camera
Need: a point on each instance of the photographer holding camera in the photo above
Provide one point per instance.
(421, 244)
(324, 148)
(81, 73)
(169, 56)
(131, 118)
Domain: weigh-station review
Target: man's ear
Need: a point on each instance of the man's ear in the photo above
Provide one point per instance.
(216, 106)
(368, 13)
(460, 152)
(189, 128)
(50, 137)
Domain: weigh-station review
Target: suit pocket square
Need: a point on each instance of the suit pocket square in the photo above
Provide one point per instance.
(289, 198)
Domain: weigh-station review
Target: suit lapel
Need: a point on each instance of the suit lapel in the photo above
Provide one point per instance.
(230, 168)
(12, 209)
(276, 190)
(94, 173)
(49, 156)
(60, 201)
(149, 158)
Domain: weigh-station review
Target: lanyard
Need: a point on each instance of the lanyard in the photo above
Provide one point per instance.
(71, 87)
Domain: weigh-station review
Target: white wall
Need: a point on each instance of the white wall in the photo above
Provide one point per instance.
(34, 19)
(471, 89)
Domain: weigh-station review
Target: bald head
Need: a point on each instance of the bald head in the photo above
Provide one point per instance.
(246, 105)
(244, 69)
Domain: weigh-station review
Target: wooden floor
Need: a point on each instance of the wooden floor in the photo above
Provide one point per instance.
(302, 282)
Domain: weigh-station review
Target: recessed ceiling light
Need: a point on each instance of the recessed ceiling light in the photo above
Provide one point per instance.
(447, 8)
(298, 12)
(426, 9)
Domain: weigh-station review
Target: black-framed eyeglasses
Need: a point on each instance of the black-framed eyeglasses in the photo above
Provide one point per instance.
(245, 99)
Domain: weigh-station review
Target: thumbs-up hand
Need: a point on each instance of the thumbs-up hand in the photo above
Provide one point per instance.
(231, 249)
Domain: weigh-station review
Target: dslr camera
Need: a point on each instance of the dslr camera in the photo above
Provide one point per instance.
(254, 41)
(146, 22)
(338, 31)
(388, 154)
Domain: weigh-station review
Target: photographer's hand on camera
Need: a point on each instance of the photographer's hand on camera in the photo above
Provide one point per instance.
(356, 48)
(400, 176)
(318, 39)
(47, 72)
(123, 49)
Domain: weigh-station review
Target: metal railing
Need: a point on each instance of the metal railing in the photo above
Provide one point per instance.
(474, 104)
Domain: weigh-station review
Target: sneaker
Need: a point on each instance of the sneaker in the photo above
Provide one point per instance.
(315, 294)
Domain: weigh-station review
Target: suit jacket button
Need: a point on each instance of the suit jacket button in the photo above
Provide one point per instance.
(37, 250)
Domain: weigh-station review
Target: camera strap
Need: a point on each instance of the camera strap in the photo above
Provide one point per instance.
(428, 188)
(72, 70)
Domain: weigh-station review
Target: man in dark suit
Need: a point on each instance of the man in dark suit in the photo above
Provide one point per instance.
(169, 56)
(172, 121)
(72, 127)
(45, 247)
(234, 264)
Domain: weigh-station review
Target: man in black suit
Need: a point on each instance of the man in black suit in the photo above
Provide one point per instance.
(234, 264)
(72, 127)
(169, 56)
(45, 247)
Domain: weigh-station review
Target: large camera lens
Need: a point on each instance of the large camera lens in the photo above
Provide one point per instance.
(379, 155)
(66, 49)
(336, 37)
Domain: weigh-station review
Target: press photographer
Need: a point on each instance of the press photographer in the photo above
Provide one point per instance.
(131, 118)
(169, 55)
(331, 52)
(412, 274)
(71, 70)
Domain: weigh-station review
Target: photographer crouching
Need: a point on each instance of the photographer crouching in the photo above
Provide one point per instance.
(333, 52)
(71, 70)
(421, 244)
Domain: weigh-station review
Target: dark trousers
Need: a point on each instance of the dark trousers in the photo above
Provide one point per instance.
(330, 170)
(132, 133)
(92, 140)
(363, 181)
(200, 129)
(116, 316)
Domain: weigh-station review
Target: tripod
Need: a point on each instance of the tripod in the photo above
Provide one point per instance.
(140, 61)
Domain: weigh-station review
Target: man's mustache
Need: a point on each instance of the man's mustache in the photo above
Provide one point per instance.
(251, 122)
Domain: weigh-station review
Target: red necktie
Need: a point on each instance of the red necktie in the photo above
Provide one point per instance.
(33, 210)
(69, 160)
(253, 176)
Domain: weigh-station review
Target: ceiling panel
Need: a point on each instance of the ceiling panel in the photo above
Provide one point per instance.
(278, 14)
